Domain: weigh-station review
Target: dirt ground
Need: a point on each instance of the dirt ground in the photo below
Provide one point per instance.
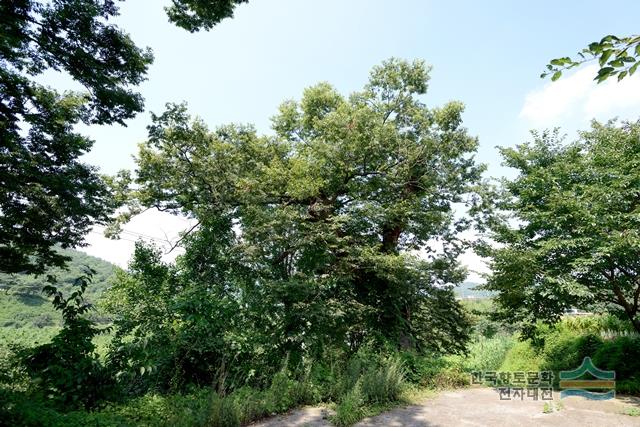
(483, 407)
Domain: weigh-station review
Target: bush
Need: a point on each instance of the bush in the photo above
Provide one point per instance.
(191, 410)
(621, 355)
(251, 404)
(385, 383)
(488, 354)
(564, 346)
(350, 410)
(420, 369)
(451, 377)
(565, 351)
(67, 370)
(628, 387)
(224, 412)
(521, 357)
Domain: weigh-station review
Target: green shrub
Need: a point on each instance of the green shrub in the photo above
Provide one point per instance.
(564, 351)
(621, 355)
(350, 410)
(594, 324)
(385, 383)
(286, 393)
(224, 412)
(521, 357)
(420, 369)
(191, 410)
(278, 395)
(488, 354)
(628, 386)
(67, 370)
(451, 377)
(251, 404)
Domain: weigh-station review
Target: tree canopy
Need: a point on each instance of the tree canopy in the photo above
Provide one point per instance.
(573, 238)
(48, 196)
(321, 222)
(194, 15)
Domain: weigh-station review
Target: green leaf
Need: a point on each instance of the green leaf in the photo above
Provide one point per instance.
(609, 38)
(595, 48)
(556, 75)
(605, 71)
(605, 57)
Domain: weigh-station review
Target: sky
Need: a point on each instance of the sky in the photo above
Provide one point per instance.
(489, 55)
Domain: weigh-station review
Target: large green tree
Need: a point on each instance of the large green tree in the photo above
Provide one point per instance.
(329, 212)
(47, 196)
(573, 235)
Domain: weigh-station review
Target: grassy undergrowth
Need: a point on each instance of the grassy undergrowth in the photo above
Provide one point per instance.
(365, 386)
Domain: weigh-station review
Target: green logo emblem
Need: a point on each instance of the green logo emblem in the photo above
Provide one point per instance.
(573, 382)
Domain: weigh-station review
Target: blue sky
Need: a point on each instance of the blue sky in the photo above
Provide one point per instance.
(486, 54)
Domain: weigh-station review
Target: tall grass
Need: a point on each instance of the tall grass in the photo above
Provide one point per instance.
(350, 409)
(522, 356)
(385, 383)
(373, 385)
(488, 354)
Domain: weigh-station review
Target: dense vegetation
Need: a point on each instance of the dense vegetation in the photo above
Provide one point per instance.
(577, 243)
(49, 197)
(27, 315)
(323, 260)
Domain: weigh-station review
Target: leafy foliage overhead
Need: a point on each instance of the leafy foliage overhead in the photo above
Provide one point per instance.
(616, 56)
(574, 237)
(48, 196)
(193, 15)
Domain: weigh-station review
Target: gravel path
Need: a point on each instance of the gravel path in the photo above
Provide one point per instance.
(482, 407)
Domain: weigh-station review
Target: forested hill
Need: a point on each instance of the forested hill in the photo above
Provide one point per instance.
(30, 285)
(25, 309)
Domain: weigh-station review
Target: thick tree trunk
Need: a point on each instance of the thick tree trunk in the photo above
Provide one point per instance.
(390, 238)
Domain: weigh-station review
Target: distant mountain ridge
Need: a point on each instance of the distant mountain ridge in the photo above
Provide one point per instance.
(76, 267)
(25, 310)
(468, 290)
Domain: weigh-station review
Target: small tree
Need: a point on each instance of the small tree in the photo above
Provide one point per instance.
(573, 239)
(67, 370)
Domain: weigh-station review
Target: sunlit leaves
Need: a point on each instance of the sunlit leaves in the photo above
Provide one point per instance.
(572, 240)
(616, 56)
(329, 209)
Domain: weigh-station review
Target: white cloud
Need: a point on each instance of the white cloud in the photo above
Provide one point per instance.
(152, 226)
(612, 96)
(578, 96)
